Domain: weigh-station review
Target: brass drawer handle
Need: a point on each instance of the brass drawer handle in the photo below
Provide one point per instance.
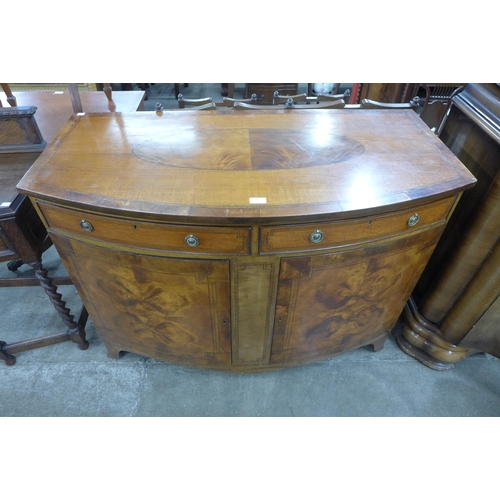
(86, 226)
(413, 220)
(317, 236)
(191, 240)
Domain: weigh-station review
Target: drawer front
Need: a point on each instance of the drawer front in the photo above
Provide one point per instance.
(324, 235)
(152, 235)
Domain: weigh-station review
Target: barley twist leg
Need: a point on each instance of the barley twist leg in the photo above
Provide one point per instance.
(75, 331)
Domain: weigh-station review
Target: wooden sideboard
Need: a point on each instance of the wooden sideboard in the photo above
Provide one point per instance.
(455, 310)
(245, 240)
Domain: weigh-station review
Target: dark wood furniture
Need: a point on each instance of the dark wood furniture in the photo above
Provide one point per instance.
(245, 241)
(436, 102)
(456, 306)
(23, 237)
(369, 104)
(227, 89)
(265, 91)
(11, 100)
(290, 105)
(384, 92)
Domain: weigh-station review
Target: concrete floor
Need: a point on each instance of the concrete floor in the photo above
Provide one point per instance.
(61, 380)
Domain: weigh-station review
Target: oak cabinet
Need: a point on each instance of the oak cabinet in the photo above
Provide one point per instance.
(245, 241)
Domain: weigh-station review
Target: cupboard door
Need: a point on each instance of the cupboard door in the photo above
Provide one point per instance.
(331, 303)
(174, 310)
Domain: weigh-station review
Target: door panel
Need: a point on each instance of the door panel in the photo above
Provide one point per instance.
(170, 309)
(331, 303)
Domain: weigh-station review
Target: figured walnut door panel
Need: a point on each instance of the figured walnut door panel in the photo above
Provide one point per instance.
(170, 309)
(331, 303)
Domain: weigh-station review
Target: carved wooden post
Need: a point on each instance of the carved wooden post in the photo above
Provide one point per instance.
(75, 330)
(108, 90)
(10, 97)
(75, 97)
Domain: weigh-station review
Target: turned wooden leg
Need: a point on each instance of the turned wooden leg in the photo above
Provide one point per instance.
(75, 331)
(10, 97)
(108, 90)
(8, 359)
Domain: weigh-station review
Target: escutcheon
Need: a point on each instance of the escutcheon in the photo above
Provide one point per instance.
(86, 226)
(317, 236)
(191, 240)
(412, 221)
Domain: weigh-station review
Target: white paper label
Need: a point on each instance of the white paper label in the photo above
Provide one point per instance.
(258, 201)
(80, 114)
(5, 204)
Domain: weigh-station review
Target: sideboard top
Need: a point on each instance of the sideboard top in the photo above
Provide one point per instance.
(233, 164)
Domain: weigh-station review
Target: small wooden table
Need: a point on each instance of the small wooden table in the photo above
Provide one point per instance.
(245, 240)
(23, 237)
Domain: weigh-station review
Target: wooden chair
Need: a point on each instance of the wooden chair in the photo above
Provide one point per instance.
(10, 98)
(304, 98)
(177, 90)
(204, 103)
(339, 104)
(437, 103)
(229, 101)
(266, 90)
(370, 104)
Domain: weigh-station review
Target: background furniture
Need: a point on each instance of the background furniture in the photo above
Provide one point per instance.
(310, 90)
(23, 237)
(54, 109)
(456, 306)
(243, 241)
(183, 102)
(384, 92)
(338, 104)
(266, 90)
(437, 101)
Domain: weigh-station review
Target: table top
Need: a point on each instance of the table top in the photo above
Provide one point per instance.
(244, 164)
(55, 108)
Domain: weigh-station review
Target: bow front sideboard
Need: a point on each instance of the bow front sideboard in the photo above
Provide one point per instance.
(245, 240)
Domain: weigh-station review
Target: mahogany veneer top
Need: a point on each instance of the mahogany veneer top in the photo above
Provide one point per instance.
(212, 163)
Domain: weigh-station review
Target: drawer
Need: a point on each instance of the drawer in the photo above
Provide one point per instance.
(323, 235)
(151, 235)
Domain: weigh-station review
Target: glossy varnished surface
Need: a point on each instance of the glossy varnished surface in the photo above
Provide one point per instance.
(55, 108)
(213, 164)
(456, 311)
(124, 196)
